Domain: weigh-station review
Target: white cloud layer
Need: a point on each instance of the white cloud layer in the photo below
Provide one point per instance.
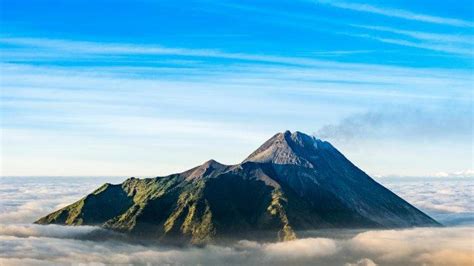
(56, 245)
(448, 200)
(23, 243)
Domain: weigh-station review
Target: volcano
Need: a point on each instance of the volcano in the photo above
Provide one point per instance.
(293, 182)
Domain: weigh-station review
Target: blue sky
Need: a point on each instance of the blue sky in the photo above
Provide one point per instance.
(153, 87)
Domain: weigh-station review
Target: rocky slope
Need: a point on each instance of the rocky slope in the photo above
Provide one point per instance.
(292, 182)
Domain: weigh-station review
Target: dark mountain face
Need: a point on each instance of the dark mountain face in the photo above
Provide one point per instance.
(292, 182)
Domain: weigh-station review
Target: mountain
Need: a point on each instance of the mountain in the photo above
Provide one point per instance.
(293, 182)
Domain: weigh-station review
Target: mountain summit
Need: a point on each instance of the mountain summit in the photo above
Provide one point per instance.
(293, 182)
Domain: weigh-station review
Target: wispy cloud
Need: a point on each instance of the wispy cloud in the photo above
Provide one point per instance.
(398, 13)
(66, 110)
(253, 66)
(341, 52)
(429, 36)
(82, 47)
(446, 43)
(466, 50)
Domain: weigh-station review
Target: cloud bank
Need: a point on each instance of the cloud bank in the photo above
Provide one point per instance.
(448, 199)
(23, 243)
(46, 245)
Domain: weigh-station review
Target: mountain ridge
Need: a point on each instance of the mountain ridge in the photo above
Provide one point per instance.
(292, 182)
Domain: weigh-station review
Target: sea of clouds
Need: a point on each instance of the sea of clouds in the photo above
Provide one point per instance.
(23, 200)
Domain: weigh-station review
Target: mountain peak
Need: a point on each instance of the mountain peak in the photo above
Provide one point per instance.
(212, 163)
(293, 182)
(288, 148)
(205, 169)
